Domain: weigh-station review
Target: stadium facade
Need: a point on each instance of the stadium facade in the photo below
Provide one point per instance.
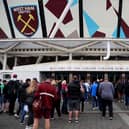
(65, 37)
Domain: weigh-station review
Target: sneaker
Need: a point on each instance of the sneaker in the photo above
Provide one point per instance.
(69, 121)
(22, 123)
(110, 118)
(26, 116)
(52, 118)
(28, 127)
(15, 115)
(93, 108)
(76, 121)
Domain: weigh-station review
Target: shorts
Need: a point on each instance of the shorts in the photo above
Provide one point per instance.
(73, 105)
(46, 113)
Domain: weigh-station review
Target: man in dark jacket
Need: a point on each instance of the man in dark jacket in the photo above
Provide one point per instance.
(106, 90)
(13, 86)
(22, 95)
(127, 93)
(74, 95)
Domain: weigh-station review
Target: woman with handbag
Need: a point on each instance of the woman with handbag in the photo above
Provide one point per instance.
(46, 95)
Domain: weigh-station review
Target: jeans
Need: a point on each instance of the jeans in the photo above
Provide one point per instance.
(23, 113)
(30, 118)
(106, 103)
(126, 100)
(94, 101)
(65, 105)
(1, 101)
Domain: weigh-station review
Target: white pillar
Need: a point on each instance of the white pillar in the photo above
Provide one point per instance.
(56, 58)
(5, 61)
(70, 77)
(70, 56)
(101, 58)
(39, 59)
(15, 61)
(1, 60)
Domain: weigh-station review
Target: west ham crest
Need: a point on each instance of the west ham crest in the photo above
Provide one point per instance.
(25, 19)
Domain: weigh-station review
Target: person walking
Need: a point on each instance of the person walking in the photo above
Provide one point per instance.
(74, 95)
(6, 96)
(126, 92)
(1, 96)
(94, 86)
(21, 96)
(82, 99)
(30, 90)
(106, 90)
(58, 100)
(47, 93)
(64, 91)
(13, 86)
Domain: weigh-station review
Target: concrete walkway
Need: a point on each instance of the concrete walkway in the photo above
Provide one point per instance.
(88, 120)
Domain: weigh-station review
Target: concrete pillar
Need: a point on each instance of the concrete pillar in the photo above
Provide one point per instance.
(70, 56)
(5, 61)
(39, 59)
(15, 61)
(1, 60)
(101, 58)
(70, 77)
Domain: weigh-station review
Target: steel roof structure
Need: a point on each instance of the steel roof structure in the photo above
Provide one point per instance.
(64, 46)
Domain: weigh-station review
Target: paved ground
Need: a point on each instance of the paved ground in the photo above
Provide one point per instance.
(88, 120)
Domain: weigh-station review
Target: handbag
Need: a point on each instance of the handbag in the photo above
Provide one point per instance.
(37, 104)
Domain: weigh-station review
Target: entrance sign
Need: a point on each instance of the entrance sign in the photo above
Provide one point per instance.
(78, 66)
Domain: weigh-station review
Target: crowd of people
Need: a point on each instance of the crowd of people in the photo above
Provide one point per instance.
(60, 95)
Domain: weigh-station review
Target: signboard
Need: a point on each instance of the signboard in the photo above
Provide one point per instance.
(25, 18)
(77, 66)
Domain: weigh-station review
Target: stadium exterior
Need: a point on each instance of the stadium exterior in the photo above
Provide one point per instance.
(79, 37)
